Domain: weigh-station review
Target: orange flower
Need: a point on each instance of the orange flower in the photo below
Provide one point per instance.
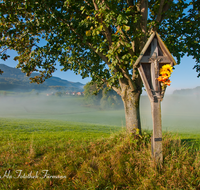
(160, 79)
(168, 82)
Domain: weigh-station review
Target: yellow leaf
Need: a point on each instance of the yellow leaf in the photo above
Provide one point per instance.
(88, 33)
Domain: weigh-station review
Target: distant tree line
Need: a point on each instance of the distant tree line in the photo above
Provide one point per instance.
(188, 92)
(104, 98)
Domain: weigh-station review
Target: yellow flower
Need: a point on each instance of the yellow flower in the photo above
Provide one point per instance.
(166, 69)
(165, 73)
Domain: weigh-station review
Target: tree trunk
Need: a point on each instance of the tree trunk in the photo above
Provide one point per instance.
(131, 102)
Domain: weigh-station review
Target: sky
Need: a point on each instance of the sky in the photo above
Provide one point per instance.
(184, 76)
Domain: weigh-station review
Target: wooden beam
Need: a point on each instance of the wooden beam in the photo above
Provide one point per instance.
(145, 48)
(154, 55)
(145, 82)
(154, 48)
(153, 80)
(157, 130)
(155, 104)
(145, 59)
(165, 49)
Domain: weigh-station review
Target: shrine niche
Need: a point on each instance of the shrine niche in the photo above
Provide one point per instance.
(152, 58)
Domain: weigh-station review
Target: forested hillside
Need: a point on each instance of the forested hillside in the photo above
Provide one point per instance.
(14, 79)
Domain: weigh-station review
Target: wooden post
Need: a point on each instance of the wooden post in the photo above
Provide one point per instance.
(157, 130)
(155, 105)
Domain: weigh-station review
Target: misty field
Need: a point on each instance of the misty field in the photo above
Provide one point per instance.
(61, 143)
(179, 114)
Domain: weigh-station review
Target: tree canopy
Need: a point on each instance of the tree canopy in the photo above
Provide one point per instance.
(101, 39)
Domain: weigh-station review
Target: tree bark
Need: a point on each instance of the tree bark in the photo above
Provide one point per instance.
(131, 102)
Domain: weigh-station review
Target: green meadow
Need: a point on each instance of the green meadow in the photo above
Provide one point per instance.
(62, 143)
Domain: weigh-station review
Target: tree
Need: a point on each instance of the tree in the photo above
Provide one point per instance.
(97, 38)
(105, 98)
(89, 95)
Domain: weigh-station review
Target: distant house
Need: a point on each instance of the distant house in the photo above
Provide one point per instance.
(73, 93)
(50, 94)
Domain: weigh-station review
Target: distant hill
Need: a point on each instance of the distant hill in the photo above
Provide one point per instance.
(14, 79)
(188, 92)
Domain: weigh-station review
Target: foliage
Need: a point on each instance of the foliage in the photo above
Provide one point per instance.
(84, 36)
(90, 95)
(59, 94)
(104, 98)
(92, 158)
(180, 31)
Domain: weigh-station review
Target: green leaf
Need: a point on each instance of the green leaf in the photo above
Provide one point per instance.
(126, 28)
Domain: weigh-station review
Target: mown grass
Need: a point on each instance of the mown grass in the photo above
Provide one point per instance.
(86, 156)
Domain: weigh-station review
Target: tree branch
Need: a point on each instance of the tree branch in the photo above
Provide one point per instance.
(142, 7)
(161, 12)
(165, 9)
(158, 18)
(126, 75)
(100, 20)
(126, 38)
(113, 87)
(95, 5)
(144, 12)
(103, 57)
(4, 50)
(116, 90)
(108, 33)
(130, 2)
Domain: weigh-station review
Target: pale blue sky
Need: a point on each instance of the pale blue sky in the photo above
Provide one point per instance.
(184, 76)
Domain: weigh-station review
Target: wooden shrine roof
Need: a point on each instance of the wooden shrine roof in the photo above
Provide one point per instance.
(166, 57)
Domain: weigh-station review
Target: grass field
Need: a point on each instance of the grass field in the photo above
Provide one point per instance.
(58, 143)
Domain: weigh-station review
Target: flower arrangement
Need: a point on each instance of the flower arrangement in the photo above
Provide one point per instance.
(165, 73)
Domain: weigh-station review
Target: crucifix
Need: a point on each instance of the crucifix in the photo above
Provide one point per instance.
(153, 56)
